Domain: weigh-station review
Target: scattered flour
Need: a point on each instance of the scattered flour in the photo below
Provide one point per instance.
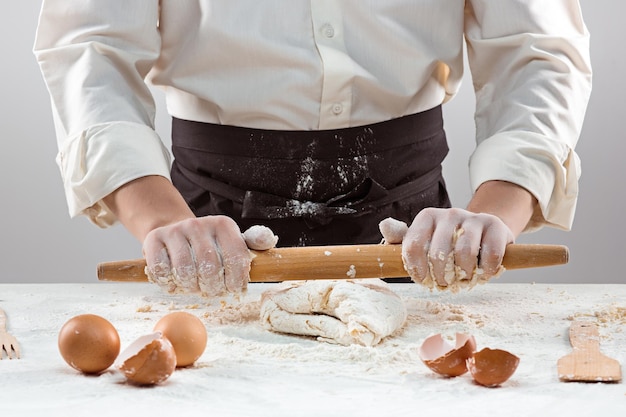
(243, 360)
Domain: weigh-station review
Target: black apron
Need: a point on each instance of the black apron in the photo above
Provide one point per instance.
(313, 187)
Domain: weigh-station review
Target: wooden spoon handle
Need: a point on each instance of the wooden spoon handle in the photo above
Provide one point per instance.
(340, 262)
(584, 335)
(3, 323)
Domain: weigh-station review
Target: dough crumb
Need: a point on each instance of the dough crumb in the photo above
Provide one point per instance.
(609, 315)
(229, 314)
(260, 238)
(144, 309)
(351, 272)
(393, 230)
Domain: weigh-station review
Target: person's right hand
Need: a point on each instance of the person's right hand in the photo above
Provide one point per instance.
(185, 253)
(206, 255)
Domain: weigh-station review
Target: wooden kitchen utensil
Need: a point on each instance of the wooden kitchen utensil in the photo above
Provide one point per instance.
(8, 343)
(341, 262)
(586, 363)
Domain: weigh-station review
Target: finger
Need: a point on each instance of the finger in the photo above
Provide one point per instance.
(235, 255)
(467, 248)
(209, 268)
(209, 281)
(441, 253)
(205, 265)
(490, 260)
(158, 267)
(416, 244)
(183, 261)
(494, 241)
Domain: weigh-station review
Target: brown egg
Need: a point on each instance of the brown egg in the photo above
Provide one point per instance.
(492, 367)
(445, 359)
(149, 360)
(187, 334)
(89, 343)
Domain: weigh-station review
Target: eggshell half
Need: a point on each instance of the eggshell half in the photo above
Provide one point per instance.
(89, 343)
(187, 334)
(492, 367)
(445, 359)
(149, 360)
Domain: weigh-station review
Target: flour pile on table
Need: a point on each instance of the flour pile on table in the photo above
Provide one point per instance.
(344, 312)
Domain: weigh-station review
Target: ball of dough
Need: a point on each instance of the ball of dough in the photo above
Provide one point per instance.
(260, 238)
(393, 230)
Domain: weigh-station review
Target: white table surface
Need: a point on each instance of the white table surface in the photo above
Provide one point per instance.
(248, 371)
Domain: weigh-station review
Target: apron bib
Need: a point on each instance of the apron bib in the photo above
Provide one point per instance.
(313, 187)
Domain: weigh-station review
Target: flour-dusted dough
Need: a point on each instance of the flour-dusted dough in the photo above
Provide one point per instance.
(260, 237)
(337, 311)
(393, 230)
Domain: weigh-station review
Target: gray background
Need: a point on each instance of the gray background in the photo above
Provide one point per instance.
(40, 243)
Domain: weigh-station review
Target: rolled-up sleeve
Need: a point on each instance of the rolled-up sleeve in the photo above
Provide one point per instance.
(94, 57)
(531, 71)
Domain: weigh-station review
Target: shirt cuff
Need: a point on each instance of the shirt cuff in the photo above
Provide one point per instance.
(546, 168)
(102, 158)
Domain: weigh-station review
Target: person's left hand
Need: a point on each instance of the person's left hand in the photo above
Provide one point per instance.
(452, 245)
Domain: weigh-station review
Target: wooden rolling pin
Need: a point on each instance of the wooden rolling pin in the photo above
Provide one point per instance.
(340, 262)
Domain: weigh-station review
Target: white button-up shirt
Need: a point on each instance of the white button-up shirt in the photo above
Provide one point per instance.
(314, 64)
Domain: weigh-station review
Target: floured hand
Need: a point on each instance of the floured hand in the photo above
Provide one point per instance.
(452, 248)
(206, 255)
(336, 311)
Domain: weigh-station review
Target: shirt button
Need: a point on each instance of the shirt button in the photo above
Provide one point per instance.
(328, 30)
(337, 108)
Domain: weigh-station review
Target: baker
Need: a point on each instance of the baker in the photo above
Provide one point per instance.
(317, 119)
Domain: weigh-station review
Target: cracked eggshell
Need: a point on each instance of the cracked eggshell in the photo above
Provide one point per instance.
(149, 360)
(187, 334)
(492, 367)
(89, 343)
(445, 359)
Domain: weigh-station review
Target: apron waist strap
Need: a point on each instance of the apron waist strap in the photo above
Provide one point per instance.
(313, 187)
(363, 199)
